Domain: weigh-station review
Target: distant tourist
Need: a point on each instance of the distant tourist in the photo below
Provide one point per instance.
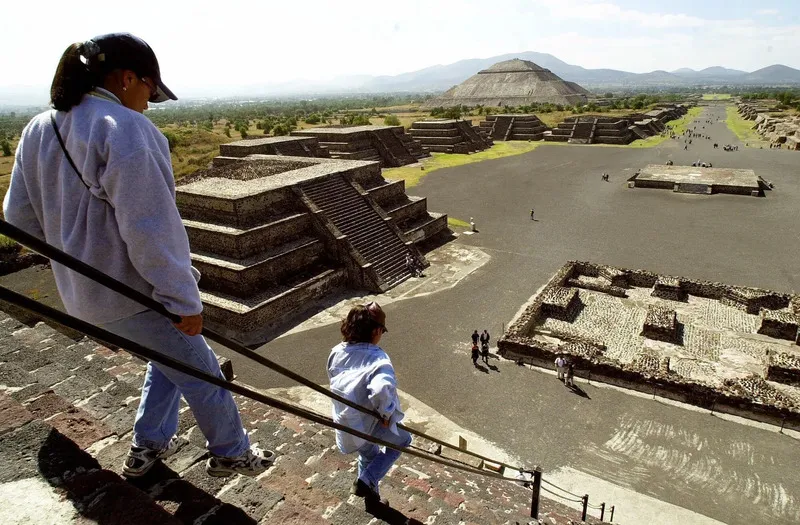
(524, 479)
(361, 371)
(475, 336)
(113, 206)
(475, 354)
(561, 364)
(485, 346)
(570, 374)
(532, 214)
(472, 224)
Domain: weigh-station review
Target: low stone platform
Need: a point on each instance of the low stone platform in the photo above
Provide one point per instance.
(599, 129)
(273, 234)
(704, 181)
(731, 346)
(66, 414)
(291, 146)
(449, 136)
(389, 145)
(513, 127)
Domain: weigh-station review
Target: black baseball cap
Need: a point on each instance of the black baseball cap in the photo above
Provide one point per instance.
(126, 51)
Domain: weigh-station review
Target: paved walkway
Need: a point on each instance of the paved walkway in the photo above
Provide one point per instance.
(720, 469)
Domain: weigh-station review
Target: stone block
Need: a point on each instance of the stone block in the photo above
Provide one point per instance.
(74, 389)
(121, 421)
(48, 405)
(13, 376)
(94, 374)
(129, 506)
(197, 476)
(661, 324)
(30, 359)
(291, 513)
(781, 324)
(37, 449)
(12, 414)
(101, 405)
(248, 495)
(80, 427)
(51, 374)
(186, 456)
(26, 393)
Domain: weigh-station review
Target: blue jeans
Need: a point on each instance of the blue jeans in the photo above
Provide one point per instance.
(157, 418)
(373, 464)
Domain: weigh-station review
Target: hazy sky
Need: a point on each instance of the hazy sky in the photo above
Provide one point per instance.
(234, 42)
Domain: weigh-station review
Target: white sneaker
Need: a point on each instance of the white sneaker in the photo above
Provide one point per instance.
(252, 463)
(142, 459)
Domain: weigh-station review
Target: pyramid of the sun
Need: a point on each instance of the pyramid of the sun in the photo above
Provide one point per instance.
(511, 83)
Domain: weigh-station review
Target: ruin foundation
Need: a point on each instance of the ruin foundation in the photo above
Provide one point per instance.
(727, 348)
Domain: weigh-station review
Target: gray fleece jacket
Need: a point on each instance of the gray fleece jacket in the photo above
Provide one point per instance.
(125, 224)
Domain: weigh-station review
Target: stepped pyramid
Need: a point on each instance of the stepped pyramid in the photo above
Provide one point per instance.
(272, 234)
(511, 83)
(66, 415)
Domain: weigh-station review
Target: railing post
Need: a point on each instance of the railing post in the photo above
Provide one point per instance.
(585, 499)
(537, 488)
(611, 518)
(602, 510)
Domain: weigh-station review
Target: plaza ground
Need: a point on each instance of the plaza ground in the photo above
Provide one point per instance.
(724, 470)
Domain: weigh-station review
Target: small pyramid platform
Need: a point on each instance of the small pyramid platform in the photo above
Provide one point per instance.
(449, 136)
(598, 129)
(271, 234)
(389, 145)
(511, 83)
(289, 146)
(513, 127)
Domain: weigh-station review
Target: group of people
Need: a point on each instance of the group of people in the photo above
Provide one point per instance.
(483, 353)
(565, 369)
(604, 177)
(414, 267)
(93, 178)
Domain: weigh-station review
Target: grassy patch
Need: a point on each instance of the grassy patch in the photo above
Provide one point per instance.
(716, 96)
(413, 174)
(743, 128)
(7, 244)
(457, 223)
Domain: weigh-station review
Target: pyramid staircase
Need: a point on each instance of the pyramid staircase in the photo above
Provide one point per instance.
(583, 132)
(357, 217)
(501, 128)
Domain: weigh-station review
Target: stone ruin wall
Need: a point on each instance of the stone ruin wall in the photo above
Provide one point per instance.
(518, 344)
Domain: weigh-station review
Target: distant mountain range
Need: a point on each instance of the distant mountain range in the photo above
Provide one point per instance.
(442, 77)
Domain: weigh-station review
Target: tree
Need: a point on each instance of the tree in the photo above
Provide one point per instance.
(228, 131)
(391, 120)
(243, 132)
(172, 140)
(280, 130)
(608, 95)
(312, 119)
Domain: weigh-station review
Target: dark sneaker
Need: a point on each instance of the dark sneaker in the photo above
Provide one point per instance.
(362, 490)
(252, 463)
(142, 459)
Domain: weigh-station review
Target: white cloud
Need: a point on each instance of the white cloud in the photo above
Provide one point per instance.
(767, 12)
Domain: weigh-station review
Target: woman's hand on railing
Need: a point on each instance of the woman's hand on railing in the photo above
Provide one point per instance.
(191, 324)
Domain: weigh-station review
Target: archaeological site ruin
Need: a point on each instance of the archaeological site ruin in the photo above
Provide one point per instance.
(700, 180)
(597, 129)
(513, 127)
(389, 145)
(783, 131)
(270, 233)
(511, 83)
(449, 136)
(730, 348)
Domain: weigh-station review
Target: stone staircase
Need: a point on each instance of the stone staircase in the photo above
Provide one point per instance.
(393, 150)
(66, 414)
(502, 126)
(583, 132)
(369, 233)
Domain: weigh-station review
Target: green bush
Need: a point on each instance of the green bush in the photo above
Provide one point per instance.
(312, 119)
(6, 148)
(391, 120)
(172, 139)
(280, 130)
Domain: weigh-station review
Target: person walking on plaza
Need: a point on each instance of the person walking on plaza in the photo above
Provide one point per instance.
(532, 215)
(360, 371)
(475, 354)
(485, 346)
(569, 377)
(475, 337)
(94, 179)
(561, 363)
